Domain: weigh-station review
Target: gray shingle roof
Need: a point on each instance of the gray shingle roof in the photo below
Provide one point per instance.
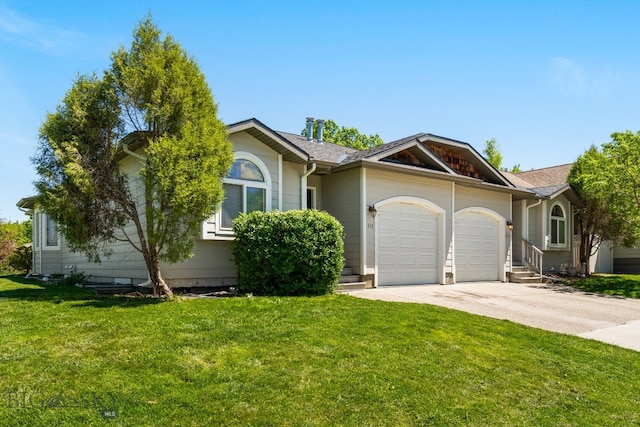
(545, 182)
(325, 152)
(546, 176)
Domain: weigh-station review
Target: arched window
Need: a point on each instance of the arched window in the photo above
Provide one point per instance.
(246, 189)
(558, 226)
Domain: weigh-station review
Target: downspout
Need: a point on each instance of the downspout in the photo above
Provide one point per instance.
(303, 186)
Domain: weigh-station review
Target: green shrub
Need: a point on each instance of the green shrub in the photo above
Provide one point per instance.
(288, 253)
(77, 278)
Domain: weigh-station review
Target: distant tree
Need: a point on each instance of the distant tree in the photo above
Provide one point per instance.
(493, 156)
(158, 92)
(13, 236)
(607, 181)
(492, 153)
(345, 136)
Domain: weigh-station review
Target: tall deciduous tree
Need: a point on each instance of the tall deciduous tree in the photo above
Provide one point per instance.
(156, 95)
(608, 182)
(345, 136)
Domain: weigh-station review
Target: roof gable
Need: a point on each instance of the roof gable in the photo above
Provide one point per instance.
(463, 159)
(410, 153)
(271, 138)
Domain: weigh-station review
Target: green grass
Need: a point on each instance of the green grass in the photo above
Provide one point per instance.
(625, 285)
(334, 360)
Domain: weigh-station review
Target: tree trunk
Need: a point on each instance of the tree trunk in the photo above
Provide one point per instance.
(585, 251)
(160, 287)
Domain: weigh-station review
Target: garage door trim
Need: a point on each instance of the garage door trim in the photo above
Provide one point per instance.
(430, 206)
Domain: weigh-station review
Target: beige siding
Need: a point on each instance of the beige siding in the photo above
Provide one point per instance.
(555, 260)
(518, 230)
(211, 265)
(292, 174)
(341, 198)
(51, 262)
(535, 225)
(384, 184)
(467, 197)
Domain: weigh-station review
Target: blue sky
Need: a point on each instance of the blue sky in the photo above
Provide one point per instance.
(545, 78)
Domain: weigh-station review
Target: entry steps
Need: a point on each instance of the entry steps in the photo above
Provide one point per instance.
(522, 274)
(349, 281)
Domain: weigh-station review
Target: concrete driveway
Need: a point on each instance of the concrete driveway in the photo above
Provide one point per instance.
(554, 308)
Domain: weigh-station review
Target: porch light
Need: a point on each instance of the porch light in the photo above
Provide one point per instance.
(373, 211)
(509, 225)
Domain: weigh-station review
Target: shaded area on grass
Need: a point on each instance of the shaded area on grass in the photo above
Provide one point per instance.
(19, 288)
(625, 285)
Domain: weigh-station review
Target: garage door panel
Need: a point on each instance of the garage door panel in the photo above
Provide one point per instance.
(477, 247)
(407, 252)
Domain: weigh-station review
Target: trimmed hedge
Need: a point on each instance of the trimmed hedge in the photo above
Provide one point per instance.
(297, 252)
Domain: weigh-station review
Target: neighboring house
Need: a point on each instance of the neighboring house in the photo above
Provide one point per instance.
(421, 210)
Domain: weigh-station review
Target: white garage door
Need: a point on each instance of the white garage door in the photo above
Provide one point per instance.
(407, 245)
(477, 247)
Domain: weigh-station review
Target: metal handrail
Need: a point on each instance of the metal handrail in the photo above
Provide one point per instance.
(532, 257)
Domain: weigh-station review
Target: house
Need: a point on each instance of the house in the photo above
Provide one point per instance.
(421, 210)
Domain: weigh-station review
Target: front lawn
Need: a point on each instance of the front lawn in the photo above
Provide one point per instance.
(624, 285)
(70, 358)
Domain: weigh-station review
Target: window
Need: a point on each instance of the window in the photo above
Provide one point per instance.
(311, 198)
(46, 232)
(52, 233)
(246, 189)
(558, 226)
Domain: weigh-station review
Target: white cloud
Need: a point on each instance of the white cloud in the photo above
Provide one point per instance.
(568, 75)
(53, 40)
(572, 77)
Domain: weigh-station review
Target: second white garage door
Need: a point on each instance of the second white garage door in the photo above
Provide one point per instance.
(407, 245)
(477, 247)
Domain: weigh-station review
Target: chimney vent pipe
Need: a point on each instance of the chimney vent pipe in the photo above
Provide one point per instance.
(309, 128)
(320, 127)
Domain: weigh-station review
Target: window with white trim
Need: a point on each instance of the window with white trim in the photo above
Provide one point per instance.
(558, 226)
(48, 233)
(246, 189)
